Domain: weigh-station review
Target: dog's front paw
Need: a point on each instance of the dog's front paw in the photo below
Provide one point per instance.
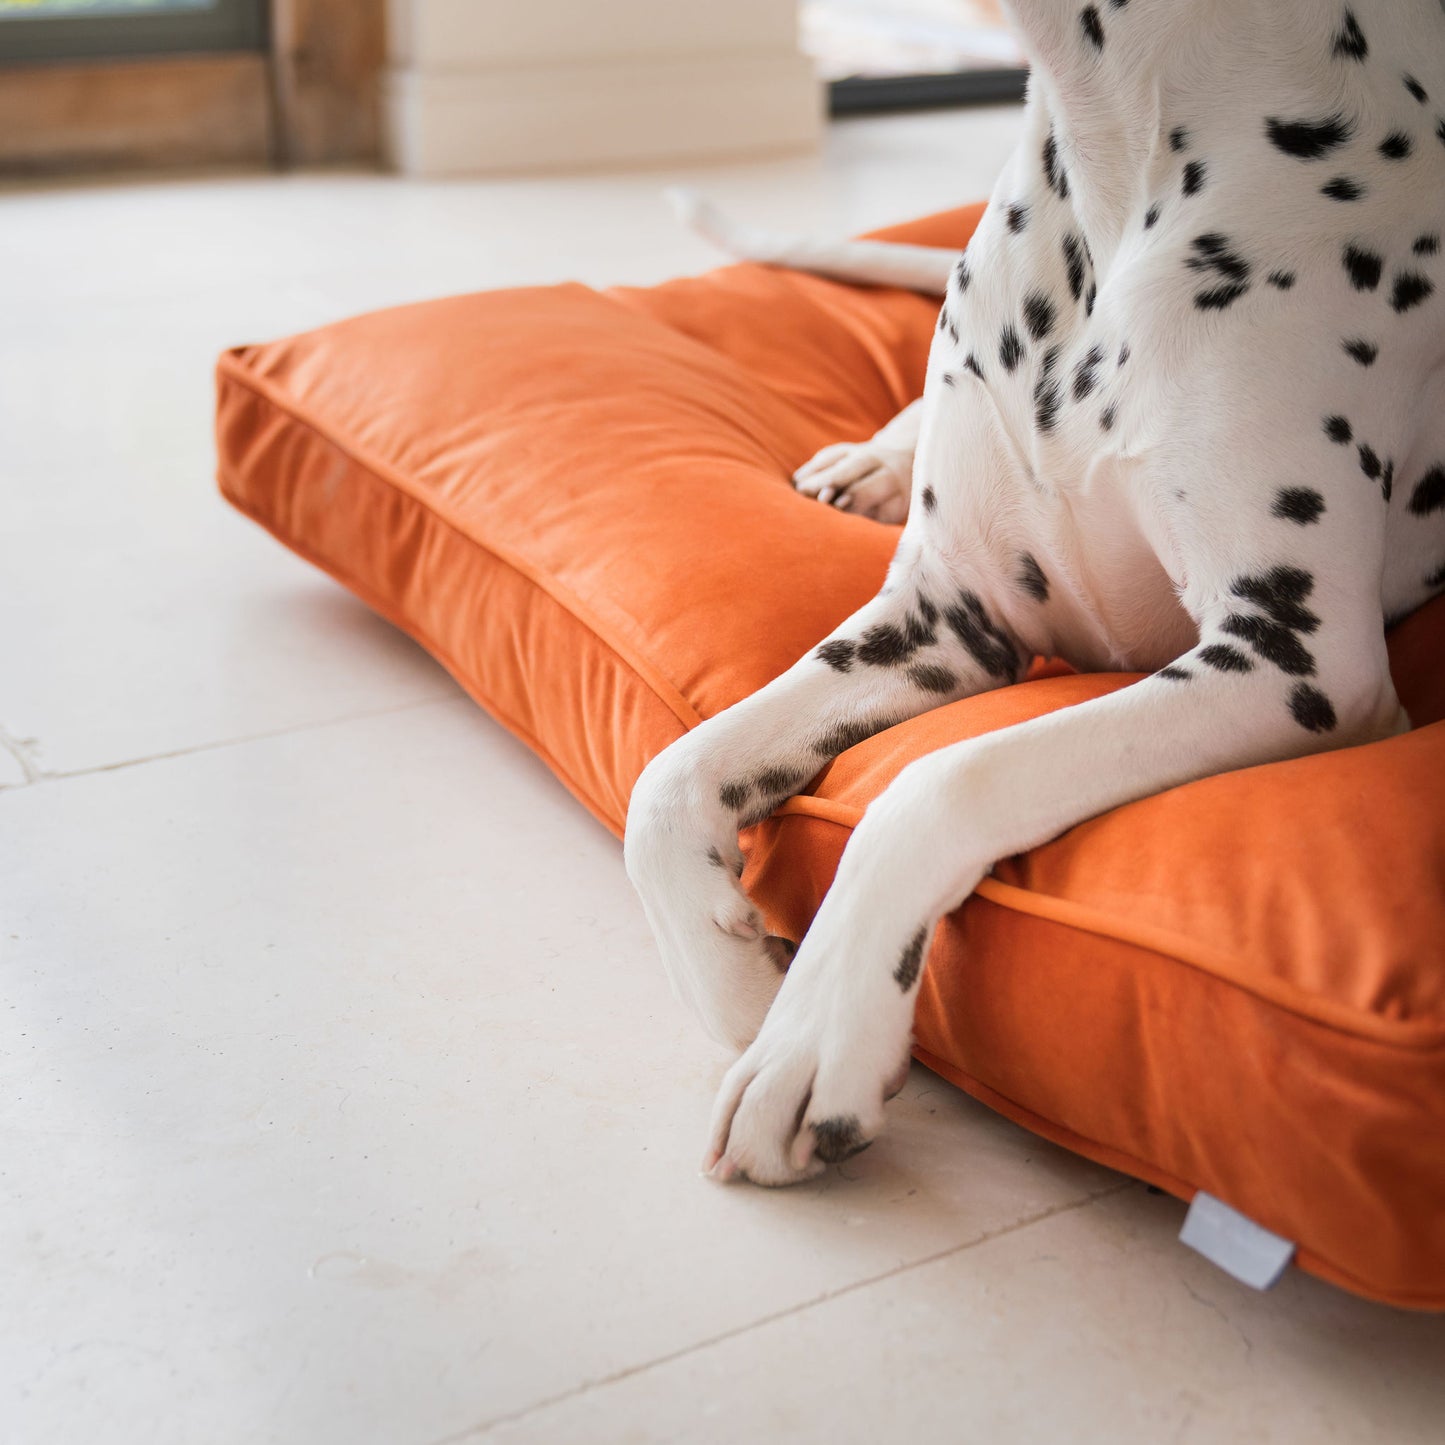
(810, 1090)
(863, 477)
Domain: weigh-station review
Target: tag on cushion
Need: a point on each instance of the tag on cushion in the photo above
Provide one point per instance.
(1234, 1242)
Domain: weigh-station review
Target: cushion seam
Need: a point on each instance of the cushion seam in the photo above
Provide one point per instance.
(427, 643)
(1415, 1035)
(235, 372)
(1308, 1258)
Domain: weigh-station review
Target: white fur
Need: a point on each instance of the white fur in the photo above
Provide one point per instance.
(1159, 537)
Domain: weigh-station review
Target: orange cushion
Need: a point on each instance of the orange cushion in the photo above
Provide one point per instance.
(578, 501)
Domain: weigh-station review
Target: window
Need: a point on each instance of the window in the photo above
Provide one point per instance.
(80, 29)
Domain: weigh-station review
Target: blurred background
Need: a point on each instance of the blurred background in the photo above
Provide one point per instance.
(343, 1098)
(454, 87)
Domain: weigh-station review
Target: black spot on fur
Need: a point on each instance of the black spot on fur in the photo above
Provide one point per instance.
(1224, 658)
(1178, 138)
(932, 678)
(780, 782)
(1106, 417)
(1311, 709)
(1220, 297)
(835, 1140)
(962, 274)
(885, 644)
(1364, 352)
(1437, 577)
(1364, 267)
(1342, 188)
(1010, 348)
(1369, 461)
(1212, 253)
(734, 795)
(1307, 140)
(970, 363)
(716, 859)
(988, 645)
(947, 378)
(1086, 373)
(1299, 504)
(1440, 130)
(1409, 290)
(1038, 315)
(837, 653)
(1281, 593)
(1048, 395)
(1123, 353)
(1387, 480)
(1426, 245)
(911, 961)
(1031, 578)
(1074, 262)
(1416, 89)
(1092, 26)
(930, 499)
(1281, 280)
(1194, 178)
(1053, 168)
(1338, 429)
(1048, 398)
(1174, 674)
(1017, 216)
(1429, 493)
(1272, 641)
(953, 333)
(1150, 217)
(1396, 146)
(845, 735)
(1350, 39)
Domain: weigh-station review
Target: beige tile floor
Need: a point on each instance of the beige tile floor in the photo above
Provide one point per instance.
(325, 1114)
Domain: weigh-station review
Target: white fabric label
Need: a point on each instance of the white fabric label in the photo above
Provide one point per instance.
(1234, 1242)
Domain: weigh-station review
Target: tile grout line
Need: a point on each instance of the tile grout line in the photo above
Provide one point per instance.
(486, 1426)
(35, 775)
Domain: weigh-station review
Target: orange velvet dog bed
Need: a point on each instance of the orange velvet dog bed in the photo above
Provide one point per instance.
(579, 502)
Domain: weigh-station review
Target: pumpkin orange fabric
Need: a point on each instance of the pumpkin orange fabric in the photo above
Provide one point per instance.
(579, 502)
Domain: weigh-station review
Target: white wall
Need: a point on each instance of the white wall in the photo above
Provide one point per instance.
(513, 85)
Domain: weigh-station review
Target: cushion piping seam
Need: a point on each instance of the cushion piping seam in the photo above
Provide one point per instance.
(1101, 926)
(1308, 1258)
(423, 640)
(236, 373)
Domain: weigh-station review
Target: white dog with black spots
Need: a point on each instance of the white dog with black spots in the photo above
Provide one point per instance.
(1184, 414)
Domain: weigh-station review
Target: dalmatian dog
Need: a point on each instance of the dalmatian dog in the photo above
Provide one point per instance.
(1184, 414)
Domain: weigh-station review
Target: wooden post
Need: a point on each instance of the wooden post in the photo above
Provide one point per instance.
(326, 59)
